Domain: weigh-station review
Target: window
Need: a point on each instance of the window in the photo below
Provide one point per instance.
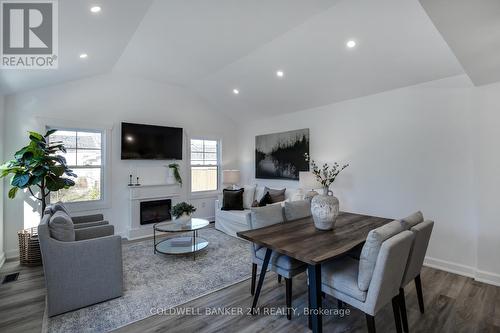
(204, 165)
(84, 156)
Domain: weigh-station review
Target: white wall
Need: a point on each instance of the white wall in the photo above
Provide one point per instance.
(2, 140)
(111, 99)
(488, 180)
(431, 147)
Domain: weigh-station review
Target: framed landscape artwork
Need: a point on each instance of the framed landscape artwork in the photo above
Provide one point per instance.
(281, 155)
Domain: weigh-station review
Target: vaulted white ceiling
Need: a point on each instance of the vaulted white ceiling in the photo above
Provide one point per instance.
(212, 47)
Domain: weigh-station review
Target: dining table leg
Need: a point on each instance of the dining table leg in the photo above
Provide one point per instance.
(314, 275)
(263, 270)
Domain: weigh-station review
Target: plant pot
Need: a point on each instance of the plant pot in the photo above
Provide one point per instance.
(183, 219)
(171, 177)
(324, 210)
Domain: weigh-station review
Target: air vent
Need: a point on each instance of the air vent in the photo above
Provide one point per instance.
(10, 277)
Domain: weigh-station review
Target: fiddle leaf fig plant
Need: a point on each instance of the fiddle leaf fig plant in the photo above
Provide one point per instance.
(38, 168)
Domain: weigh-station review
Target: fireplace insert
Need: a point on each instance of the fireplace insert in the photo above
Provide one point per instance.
(156, 211)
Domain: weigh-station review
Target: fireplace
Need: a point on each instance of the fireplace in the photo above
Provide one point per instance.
(155, 211)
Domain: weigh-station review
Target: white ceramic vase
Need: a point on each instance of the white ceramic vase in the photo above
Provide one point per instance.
(324, 210)
(183, 219)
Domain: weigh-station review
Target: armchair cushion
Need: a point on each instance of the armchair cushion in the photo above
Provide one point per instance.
(87, 218)
(295, 210)
(61, 227)
(369, 253)
(94, 232)
(276, 195)
(89, 224)
(342, 275)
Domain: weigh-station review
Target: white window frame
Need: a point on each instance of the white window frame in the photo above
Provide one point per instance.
(206, 194)
(106, 131)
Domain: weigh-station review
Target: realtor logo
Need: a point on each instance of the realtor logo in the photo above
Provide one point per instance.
(29, 34)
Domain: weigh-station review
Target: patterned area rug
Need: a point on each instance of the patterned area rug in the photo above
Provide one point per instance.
(161, 281)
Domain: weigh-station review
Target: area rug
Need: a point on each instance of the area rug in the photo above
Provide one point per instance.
(154, 281)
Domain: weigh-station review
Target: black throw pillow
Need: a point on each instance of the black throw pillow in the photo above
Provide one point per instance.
(266, 200)
(232, 199)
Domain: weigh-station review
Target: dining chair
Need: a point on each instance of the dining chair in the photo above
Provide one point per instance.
(374, 280)
(281, 264)
(422, 232)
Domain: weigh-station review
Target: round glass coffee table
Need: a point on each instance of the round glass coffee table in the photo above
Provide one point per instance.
(180, 245)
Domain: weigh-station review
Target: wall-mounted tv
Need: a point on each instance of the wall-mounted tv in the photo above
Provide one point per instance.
(149, 142)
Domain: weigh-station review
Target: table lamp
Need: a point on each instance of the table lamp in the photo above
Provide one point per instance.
(231, 178)
(307, 181)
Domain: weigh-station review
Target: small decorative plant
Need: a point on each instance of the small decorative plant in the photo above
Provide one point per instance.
(326, 174)
(175, 168)
(181, 209)
(38, 165)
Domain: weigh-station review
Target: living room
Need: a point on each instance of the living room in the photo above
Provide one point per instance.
(190, 103)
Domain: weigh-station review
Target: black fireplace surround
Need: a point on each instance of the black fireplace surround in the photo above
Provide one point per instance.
(156, 211)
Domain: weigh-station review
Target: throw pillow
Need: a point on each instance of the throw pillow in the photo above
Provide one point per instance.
(61, 227)
(248, 196)
(276, 195)
(59, 206)
(266, 199)
(297, 210)
(232, 199)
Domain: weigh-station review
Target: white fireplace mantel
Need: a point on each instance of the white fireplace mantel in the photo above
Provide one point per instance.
(143, 193)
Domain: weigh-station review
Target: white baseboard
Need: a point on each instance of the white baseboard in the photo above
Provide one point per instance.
(12, 254)
(488, 277)
(2, 259)
(449, 266)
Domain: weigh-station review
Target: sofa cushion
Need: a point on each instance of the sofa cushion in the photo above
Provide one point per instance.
(232, 199)
(236, 216)
(61, 227)
(276, 195)
(265, 216)
(295, 210)
(248, 196)
(369, 253)
(342, 275)
(413, 219)
(265, 200)
(280, 260)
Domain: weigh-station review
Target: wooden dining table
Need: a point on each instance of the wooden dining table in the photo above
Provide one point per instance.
(300, 240)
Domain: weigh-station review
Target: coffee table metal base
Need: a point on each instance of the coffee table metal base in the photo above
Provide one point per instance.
(181, 245)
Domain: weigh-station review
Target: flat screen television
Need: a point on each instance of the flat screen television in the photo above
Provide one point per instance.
(149, 142)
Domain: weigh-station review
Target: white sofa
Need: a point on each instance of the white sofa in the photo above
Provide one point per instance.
(232, 221)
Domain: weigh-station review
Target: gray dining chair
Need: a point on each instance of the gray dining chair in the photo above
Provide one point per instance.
(422, 232)
(374, 280)
(282, 265)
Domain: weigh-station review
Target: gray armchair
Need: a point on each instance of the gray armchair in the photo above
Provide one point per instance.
(82, 221)
(83, 268)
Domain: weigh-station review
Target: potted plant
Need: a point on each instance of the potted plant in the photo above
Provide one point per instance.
(325, 207)
(182, 211)
(38, 168)
(174, 175)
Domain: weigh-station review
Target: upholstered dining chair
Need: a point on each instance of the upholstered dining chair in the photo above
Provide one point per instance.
(422, 232)
(374, 280)
(281, 264)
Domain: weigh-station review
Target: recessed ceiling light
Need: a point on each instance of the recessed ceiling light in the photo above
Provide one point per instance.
(280, 73)
(95, 9)
(84, 56)
(350, 44)
(236, 91)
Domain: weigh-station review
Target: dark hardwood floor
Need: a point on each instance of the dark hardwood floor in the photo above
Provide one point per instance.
(453, 304)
